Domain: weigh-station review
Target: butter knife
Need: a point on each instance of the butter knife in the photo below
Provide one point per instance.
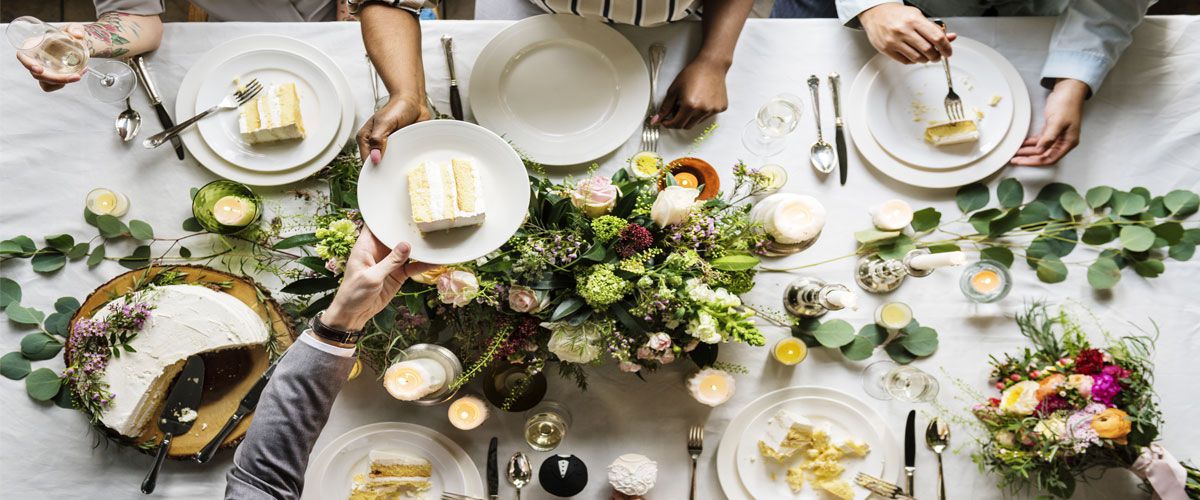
(493, 471)
(839, 137)
(245, 407)
(910, 449)
(143, 75)
(456, 109)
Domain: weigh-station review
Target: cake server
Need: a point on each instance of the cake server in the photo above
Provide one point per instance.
(910, 449)
(245, 407)
(139, 68)
(179, 412)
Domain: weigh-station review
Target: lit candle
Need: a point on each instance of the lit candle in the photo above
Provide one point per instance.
(687, 180)
(790, 218)
(893, 315)
(776, 177)
(892, 215)
(414, 379)
(645, 165)
(234, 211)
(789, 351)
(986, 281)
(711, 386)
(467, 413)
(842, 299)
(101, 201)
(929, 262)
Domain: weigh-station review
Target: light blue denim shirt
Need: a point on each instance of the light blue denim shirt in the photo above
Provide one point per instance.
(1088, 39)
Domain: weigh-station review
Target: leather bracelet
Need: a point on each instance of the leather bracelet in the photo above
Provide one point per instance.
(333, 334)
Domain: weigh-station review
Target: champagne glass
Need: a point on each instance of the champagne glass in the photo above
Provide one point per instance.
(766, 135)
(887, 380)
(59, 52)
(546, 426)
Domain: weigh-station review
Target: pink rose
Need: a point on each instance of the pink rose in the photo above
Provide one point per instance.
(630, 367)
(523, 299)
(659, 341)
(457, 288)
(595, 196)
(644, 352)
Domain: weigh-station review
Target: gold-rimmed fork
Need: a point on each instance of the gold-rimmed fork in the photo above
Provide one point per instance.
(242, 95)
(695, 446)
(953, 103)
(658, 51)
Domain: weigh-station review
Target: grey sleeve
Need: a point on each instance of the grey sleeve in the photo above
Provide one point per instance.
(139, 7)
(293, 409)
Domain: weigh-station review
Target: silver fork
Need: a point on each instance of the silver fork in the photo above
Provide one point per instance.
(695, 445)
(456, 496)
(953, 104)
(880, 487)
(650, 130)
(231, 101)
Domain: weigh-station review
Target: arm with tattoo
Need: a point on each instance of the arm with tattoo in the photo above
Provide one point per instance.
(117, 34)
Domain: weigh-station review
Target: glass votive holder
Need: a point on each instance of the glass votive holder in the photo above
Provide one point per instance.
(103, 201)
(985, 281)
(226, 207)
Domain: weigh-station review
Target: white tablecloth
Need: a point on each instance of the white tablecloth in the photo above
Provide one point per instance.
(1141, 130)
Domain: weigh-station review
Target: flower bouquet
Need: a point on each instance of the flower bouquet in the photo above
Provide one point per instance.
(1066, 407)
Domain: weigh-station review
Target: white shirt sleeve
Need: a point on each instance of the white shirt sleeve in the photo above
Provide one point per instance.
(1089, 37)
(308, 338)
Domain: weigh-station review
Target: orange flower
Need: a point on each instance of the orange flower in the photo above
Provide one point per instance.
(1113, 424)
(1050, 385)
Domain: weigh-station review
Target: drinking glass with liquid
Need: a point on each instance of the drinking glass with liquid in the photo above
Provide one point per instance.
(546, 425)
(766, 135)
(887, 380)
(60, 53)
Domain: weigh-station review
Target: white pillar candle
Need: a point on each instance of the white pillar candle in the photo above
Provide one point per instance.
(892, 215)
(932, 261)
(842, 299)
(468, 412)
(711, 386)
(234, 211)
(414, 379)
(101, 201)
(790, 218)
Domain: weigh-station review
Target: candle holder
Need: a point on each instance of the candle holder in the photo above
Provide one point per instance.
(516, 386)
(985, 281)
(443, 357)
(810, 297)
(236, 195)
(706, 176)
(877, 275)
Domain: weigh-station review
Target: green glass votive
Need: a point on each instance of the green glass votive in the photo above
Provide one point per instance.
(226, 207)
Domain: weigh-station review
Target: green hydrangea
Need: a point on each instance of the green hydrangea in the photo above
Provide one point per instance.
(336, 239)
(636, 263)
(607, 227)
(602, 286)
(737, 282)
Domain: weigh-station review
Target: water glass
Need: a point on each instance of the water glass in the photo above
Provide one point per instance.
(766, 135)
(887, 380)
(546, 426)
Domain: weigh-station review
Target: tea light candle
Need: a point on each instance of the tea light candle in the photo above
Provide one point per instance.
(892, 215)
(468, 412)
(929, 262)
(893, 315)
(789, 351)
(986, 281)
(711, 386)
(234, 211)
(687, 180)
(102, 201)
(776, 177)
(414, 379)
(842, 299)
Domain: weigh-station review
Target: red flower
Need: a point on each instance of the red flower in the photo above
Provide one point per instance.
(1089, 361)
(994, 401)
(633, 239)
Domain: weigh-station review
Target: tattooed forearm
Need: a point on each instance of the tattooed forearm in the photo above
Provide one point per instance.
(117, 34)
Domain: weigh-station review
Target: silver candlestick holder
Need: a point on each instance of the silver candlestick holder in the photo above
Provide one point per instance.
(449, 362)
(877, 275)
(810, 297)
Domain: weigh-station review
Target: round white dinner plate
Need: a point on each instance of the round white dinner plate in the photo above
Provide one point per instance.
(727, 466)
(186, 98)
(765, 478)
(911, 97)
(564, 89)
(383, 190)
(331, 475)
(858, 116)
(320, 109)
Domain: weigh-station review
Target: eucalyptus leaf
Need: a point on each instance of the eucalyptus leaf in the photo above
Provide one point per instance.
(1098, 196)
(1192, 236)
(899, 354)
(1158, 208)
(78, 251)
(897, 248)
(10, 247)
(58, 324)
(921, 341)
(48, 261)
(111, 227)
(1170, 231)
(25, 243)
(926, 219)
(138, 259)
(1010, 193)
(1103, 274)
(66, 305)
(858, 349)
(834, 333)
(875, 333)
(981, 219)
(1099, 233)
(737, 262)
(96, 257)
(1050, 269)
(185, 252)
(867, 236)
(1184, 250)
(10, 292)
(1004, 223)
(14, 366)
(972, 197)
(24, 315)
(1149, 268)
(90, 217)
(62, 242)
(38, 346)
(296, 240)
(1050, 195)
(192, 192)
(1034, 213)
(192, 224)
(42, 384)
(943, 248)
(1136, 238)
(1127, 204)
(998, 254)
(140, 230)
(1182, 203)
(1073, 203)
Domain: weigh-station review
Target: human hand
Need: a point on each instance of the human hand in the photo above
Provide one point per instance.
(373, 276)
(49, 80)
(905, 34)
(697, 93)
(398, 113)
(1060, 134)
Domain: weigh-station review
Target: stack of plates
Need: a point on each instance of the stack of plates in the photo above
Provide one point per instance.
(744, 473)
(326, 106)
(890, 104)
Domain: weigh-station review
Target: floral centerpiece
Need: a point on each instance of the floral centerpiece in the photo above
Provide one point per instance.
(1067, 406)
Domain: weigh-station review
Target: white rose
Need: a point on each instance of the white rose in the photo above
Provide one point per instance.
(659, 341)
(523, 299)
(673, 205)
(457, 287)
(1020, 399)
(574, 344)
(704, 328)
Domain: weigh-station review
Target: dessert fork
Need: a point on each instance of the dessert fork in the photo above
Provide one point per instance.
(231, 101)
(650, 130)
(953, 104)
(695, 445)
(880, 487)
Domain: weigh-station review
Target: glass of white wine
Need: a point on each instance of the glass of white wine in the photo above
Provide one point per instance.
(887, 380)
(766, 135)
(546, 425)
(60, 53)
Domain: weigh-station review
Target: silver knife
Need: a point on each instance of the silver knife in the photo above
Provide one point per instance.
(839, 138)
(178, 414)
(910, 449)
(245, 407)
(164, 119)
(456, 109)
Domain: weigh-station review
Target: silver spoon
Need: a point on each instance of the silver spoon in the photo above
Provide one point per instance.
(821, 154)
(937, 436)
(128, 122)
(519, 472)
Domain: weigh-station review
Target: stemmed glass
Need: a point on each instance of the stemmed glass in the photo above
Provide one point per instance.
(61, 53)
(766, 135)
(887, 380)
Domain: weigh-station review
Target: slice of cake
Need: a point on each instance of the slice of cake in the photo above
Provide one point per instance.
(393, 476)
(445, 196)
(274, 115)
(947, 133)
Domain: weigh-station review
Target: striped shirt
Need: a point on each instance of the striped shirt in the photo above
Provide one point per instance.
(635, 12)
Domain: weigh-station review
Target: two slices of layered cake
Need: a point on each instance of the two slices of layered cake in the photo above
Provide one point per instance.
(445, 196)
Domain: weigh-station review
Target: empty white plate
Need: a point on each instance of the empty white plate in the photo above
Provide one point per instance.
(564, 89)
(320, 108)
(383, 190)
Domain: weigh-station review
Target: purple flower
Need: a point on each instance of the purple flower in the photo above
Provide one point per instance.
(1104, 388)
(1079, 427)
(1051, 404)
(1115, 371)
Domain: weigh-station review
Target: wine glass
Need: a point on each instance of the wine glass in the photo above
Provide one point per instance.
(887, 380)
(546, 425)
(59, 52)
(766, 135)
